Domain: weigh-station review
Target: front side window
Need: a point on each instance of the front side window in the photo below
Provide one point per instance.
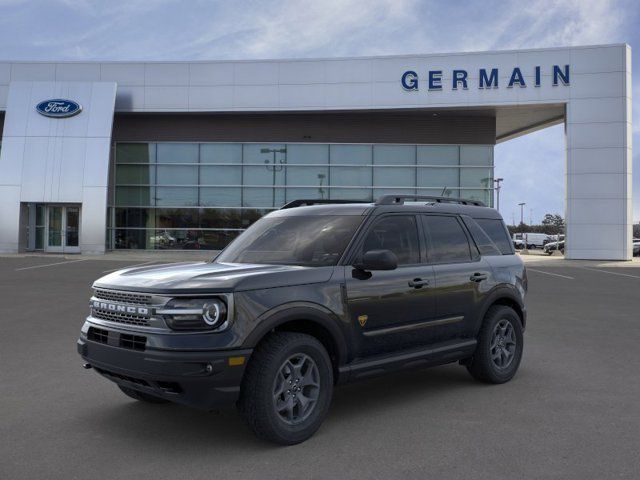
(397, 233)
(448, 242)
(312, 241)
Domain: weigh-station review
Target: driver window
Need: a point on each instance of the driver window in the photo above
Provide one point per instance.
(397, 233)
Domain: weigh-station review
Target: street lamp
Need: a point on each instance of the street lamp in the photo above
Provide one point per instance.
(522, 212)
(274, 167)
(321, 177)
(497, 182)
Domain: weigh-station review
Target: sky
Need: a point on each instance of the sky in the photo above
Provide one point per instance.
(532, 166)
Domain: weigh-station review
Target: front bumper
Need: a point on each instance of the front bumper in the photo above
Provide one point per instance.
(202, 379)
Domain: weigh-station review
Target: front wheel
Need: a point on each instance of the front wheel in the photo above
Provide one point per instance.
(500, 344)
(287, 388)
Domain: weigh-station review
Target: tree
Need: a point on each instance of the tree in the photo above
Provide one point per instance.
(553, 222)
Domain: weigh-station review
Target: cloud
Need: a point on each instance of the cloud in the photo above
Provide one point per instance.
(250, 29)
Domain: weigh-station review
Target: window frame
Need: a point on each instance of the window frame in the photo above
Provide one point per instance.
(474, 254)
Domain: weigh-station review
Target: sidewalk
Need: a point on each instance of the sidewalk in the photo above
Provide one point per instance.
(128, 255)
(538, 258)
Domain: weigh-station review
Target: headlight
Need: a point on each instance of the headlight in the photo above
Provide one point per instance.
(194, 313)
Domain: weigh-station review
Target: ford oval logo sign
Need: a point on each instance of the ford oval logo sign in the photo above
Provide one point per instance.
(58, 108)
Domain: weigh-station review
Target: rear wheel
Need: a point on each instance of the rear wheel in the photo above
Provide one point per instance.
(500, 345)
(141, 396)
(287, 388)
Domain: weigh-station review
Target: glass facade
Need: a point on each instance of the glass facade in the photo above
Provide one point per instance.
(202, 195)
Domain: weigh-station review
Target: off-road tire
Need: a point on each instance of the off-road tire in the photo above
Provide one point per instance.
(141, 396)
(482, 366)
(257, 403)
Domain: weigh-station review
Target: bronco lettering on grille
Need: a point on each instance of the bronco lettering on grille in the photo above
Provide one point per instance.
(116, 307)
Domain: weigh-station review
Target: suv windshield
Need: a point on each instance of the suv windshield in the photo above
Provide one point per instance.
(312, 241)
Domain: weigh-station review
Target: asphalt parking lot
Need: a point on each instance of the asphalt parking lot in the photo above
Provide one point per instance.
(573, 410)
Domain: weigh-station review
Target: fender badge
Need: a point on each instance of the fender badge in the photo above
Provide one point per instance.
(362, 319)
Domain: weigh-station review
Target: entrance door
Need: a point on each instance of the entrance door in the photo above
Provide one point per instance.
(63, 229)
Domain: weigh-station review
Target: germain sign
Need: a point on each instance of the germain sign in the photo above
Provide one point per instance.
(58, 108)
(487, 78)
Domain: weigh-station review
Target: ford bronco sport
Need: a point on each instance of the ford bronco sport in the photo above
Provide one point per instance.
(312, 295)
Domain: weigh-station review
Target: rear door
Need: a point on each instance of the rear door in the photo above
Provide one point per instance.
(462, 277)
(389, 309)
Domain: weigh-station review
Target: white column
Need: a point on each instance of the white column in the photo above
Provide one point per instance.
(599, 166)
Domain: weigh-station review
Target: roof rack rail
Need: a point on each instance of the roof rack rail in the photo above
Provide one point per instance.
(308, 202)
(400, 199)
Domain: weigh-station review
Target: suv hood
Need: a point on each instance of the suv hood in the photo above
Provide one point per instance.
(204, 277)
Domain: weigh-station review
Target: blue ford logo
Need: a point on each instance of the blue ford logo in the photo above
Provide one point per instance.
(58, 108)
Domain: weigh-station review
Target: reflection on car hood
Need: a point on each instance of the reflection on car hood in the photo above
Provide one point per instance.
(211, 277)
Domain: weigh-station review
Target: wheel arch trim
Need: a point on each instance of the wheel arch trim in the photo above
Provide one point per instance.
(503, 296)
(301, 311)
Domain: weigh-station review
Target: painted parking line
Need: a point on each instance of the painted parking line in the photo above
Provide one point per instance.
(130, 266)
(549, 273)
(610, 273)
(50, 264)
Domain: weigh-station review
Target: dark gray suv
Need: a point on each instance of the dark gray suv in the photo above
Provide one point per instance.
(312, 295)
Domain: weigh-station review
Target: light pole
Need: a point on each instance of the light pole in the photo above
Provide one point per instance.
(522, 212)
(497, 182)
(321, 177)
(276, 166)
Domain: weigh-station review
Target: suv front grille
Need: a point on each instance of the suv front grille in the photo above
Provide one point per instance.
(119, 317)
(123, 340)
(98, 335)
(123, 297)
(133, 342)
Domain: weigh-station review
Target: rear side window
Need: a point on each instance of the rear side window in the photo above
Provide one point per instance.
(484, 243)
(398, 233)
(448, 242)
(497, 232)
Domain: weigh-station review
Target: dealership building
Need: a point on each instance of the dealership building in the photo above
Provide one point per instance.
(98, 156)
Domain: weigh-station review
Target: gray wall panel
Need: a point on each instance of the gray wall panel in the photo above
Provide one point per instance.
(373, 127)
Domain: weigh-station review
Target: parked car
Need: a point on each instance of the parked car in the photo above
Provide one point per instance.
(550, 247)
(636, 247)
(309, 297)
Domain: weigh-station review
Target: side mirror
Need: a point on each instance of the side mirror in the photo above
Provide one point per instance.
(378, 260)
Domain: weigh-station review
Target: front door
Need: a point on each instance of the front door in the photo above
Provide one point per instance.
(391, 309)
(63, 229)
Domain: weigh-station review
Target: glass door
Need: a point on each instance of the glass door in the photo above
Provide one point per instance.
(54, 229)
(72, 229)
(63, 229)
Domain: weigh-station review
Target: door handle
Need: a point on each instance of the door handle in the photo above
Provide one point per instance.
(478, 277)
(418, 283)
